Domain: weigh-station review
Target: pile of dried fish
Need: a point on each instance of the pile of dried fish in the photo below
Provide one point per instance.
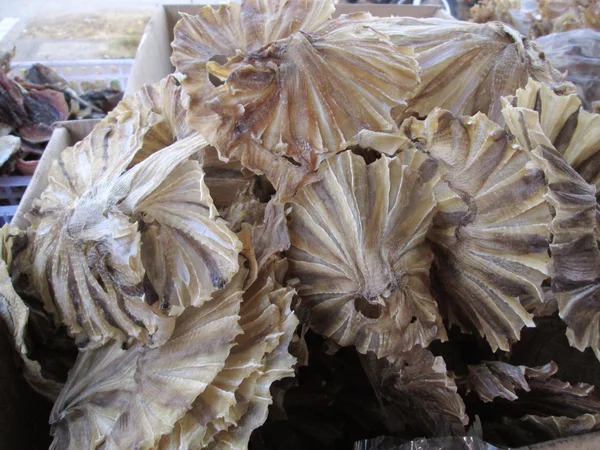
(29, 107)
(567, 31)
(319, 231)
(539, 17)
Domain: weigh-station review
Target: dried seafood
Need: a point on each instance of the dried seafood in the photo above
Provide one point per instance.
(30, 106)
(128, 398)
(490, 235)
(402, 213)
(540, 17)
(30, 112)
(497, 379)
(15, 313)
(236, 401)
(549, 428)
(561, 15)
(515, 13)
(539, 393)
(38, 76)
(279, 107)
(575, 267)
(112, 229)
(574, 132)
(533, 404)
(490, 60)
(419, 388)
(358, 249)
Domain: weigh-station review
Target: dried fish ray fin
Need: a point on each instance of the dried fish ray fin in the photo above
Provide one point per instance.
(271, 237)
(228, 30)
(266, 320)
(491, 60)
(242, 27)
(575, 265)
(15, 315)
(417, 384)
(574, 132)
(531, 390)
(575, 254)
(493, 379)
(225, 180)
(163, 99)
(358, 248)
(494, 251)
(261, 117)
(128, 398)
(188, 251)
(286, 177)
(277, 364)
(83, 225)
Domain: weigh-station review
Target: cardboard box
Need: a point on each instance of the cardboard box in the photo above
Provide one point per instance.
(153, 58)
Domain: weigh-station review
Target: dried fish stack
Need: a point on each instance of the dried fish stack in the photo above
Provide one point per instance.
(406, 208)
(540, 17)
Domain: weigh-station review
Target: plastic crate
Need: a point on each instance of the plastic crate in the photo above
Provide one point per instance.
(11, 192)
(82, 75)
(86, 74)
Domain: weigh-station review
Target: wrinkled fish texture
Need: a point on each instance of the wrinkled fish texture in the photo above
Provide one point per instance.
(315, 232)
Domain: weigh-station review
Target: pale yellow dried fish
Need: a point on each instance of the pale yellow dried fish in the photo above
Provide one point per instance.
(224, 180)
(506, 11)
(128, 397)
(222, 33)
(15, 313)
(575, 266)
(421, 390)
(252, 412)
(358, 248)
(573, 132)
(90, 222)
(466, 67)
(259, 357)
(559, 15)
(493, 251)
(288, 104)
(162, 102)
(243, 27)
(267, 324)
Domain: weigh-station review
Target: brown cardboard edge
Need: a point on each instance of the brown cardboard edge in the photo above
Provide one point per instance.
(64, 135)
(153, 58)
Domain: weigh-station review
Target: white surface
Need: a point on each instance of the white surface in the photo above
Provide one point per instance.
(6, 25)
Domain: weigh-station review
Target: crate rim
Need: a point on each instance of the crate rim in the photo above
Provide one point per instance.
(72, 62)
